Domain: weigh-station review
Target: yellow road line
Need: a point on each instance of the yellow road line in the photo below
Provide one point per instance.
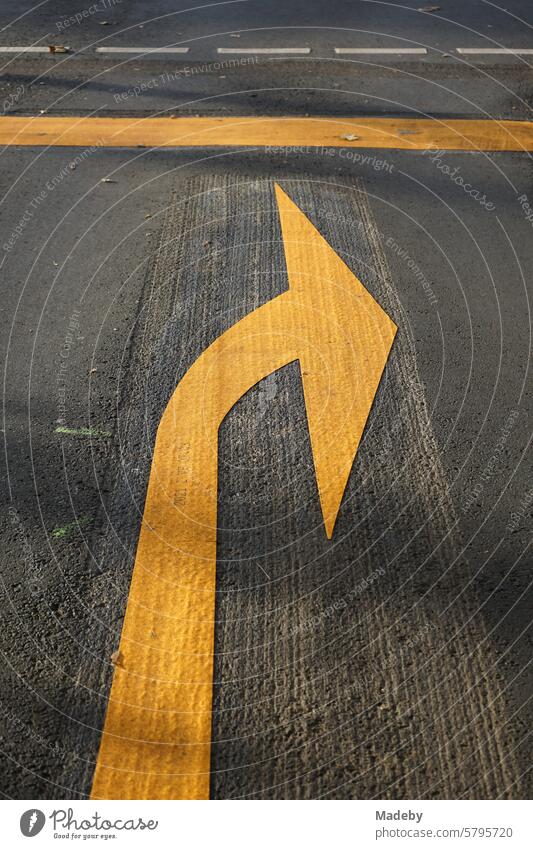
(156, 740)
(400, 133)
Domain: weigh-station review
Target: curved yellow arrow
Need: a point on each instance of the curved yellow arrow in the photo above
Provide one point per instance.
(156, 739)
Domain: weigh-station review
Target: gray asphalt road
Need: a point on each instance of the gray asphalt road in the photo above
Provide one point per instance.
(204, 26)
(392, 663)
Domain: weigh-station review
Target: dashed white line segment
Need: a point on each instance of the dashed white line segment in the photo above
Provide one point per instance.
(142, 49)
(396, 50)
(506, 51)
(264, 50)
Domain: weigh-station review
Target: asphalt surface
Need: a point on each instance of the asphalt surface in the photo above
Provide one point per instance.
(392, 662)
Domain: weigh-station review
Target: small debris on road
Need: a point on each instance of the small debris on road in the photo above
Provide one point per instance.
(350, 137)
(58, 48)
(117, 659)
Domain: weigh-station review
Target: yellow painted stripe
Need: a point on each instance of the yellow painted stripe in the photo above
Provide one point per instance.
(400, 133)
(156, 739)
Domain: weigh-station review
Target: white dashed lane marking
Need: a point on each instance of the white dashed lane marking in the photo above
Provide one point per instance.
(139, 52)
(25, 49)
(505, 51)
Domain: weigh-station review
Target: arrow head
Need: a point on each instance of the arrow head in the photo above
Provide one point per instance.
(346, 341)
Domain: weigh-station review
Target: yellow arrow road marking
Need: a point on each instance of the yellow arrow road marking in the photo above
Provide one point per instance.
(156, 739)
(399, 133)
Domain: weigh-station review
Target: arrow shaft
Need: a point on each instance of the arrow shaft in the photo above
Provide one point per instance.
(156, 740)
